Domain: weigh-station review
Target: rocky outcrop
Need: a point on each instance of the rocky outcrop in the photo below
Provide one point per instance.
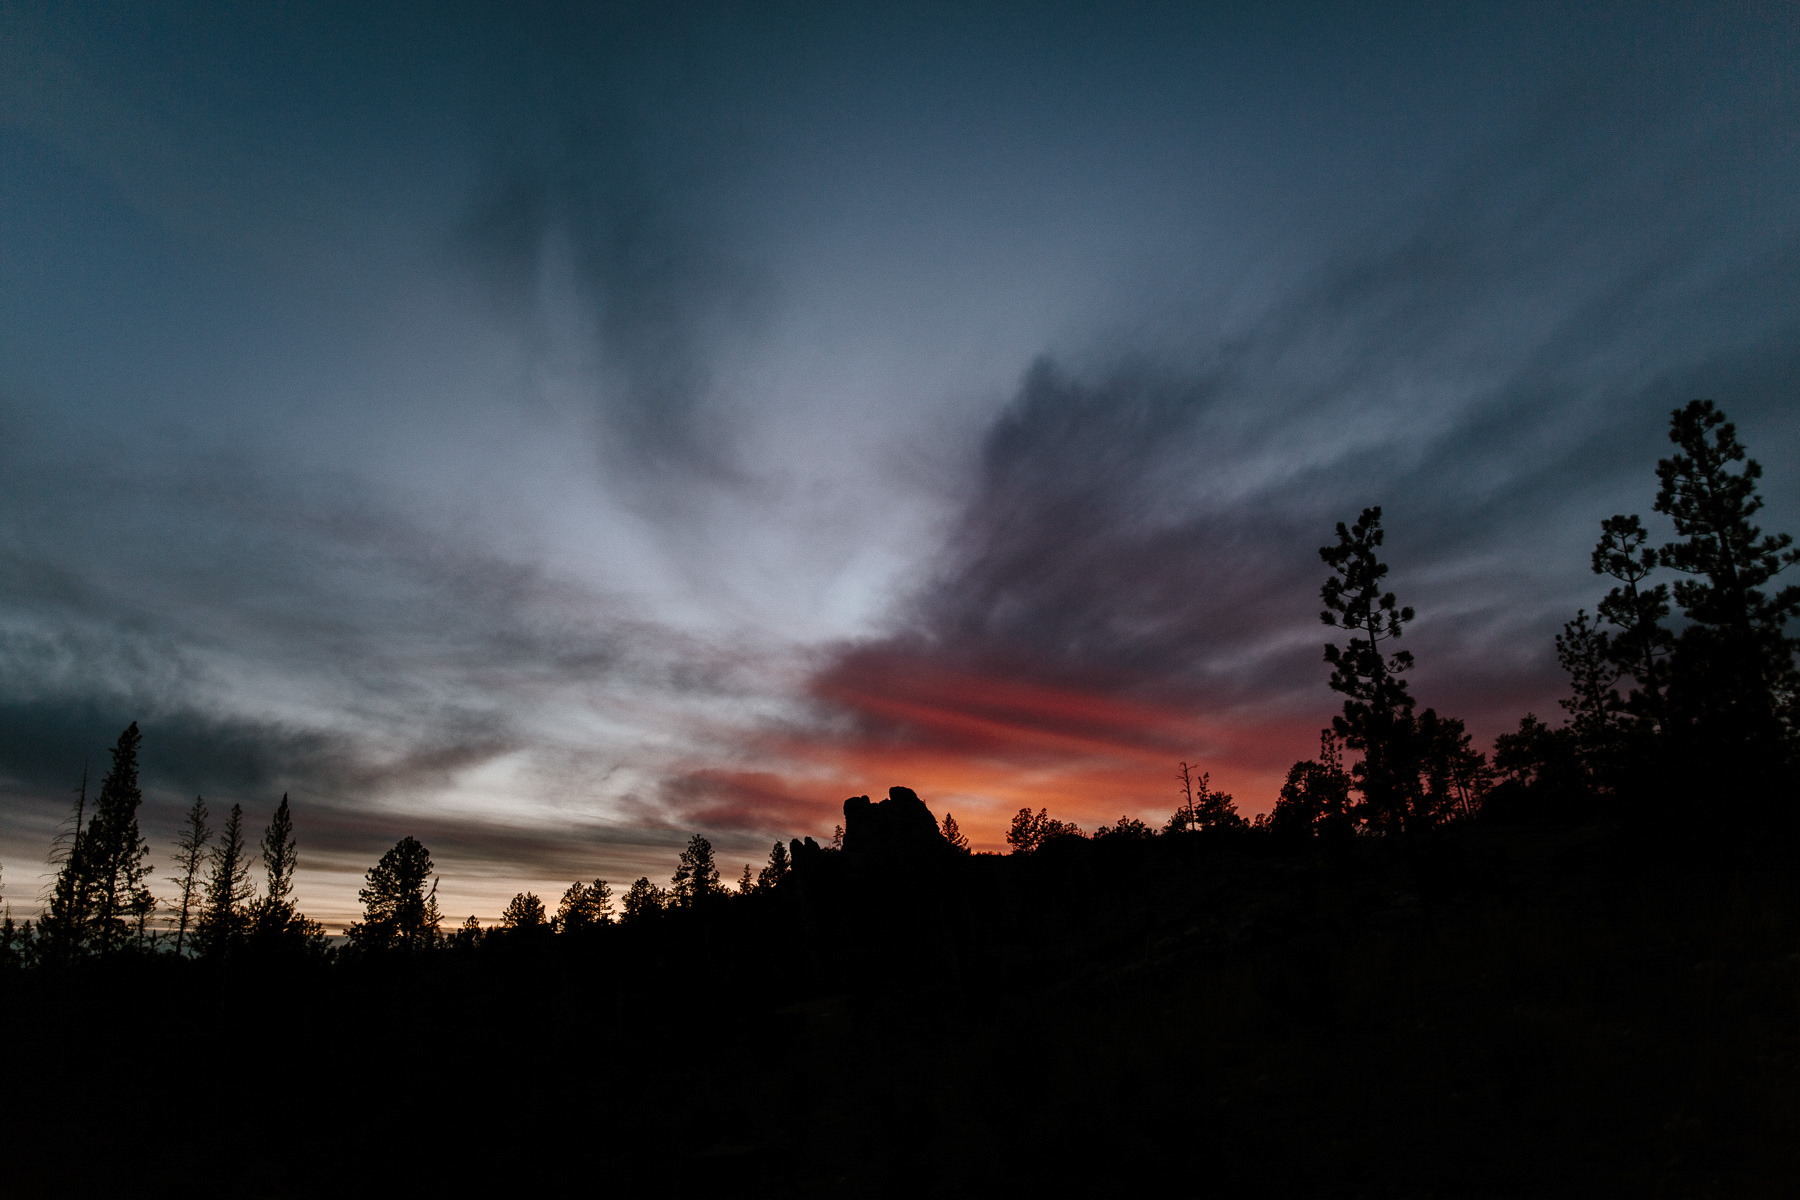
(899, 831)
(900, 827)
(805, 855)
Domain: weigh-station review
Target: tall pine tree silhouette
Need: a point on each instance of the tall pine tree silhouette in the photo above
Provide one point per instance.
(696, 879)
(273, 916)
(1587, 654)
(190, 857)
(1377, 716)
(114, 854)
(1637, 612)
(225, 912)
(1735, 662)
(775, 870)
(63, 931)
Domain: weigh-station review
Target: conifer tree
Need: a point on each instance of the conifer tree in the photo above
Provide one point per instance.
(11, 948)
(274, 915)
(952, 833)
(1377, 716)
(1025, 834)
(1538, 756)
(1587, 654)
(746, 884)
(468, 935)
(771, 875)
(1201, 806)
(599, 900)
(6, 923)
(64, 928)
(1315, 799)
(114, 853)
(524, 911)
(225, 913)
(696, 879)
(1454, 777)
(1637, 612)
(585, 907)
(1126, 828)
(571, 912)
(1030, 831)
(1735, 661)
(398, 912)
(644, 901)
(190, 856)
(1334, 817)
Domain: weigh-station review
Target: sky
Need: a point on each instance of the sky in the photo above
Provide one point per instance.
(551, 431)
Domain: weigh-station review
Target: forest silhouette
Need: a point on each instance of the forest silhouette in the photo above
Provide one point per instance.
(1569, 967)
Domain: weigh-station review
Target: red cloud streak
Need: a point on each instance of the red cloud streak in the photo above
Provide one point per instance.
(983, 744)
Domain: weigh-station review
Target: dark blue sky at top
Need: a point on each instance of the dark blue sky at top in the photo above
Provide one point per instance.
(515, 426)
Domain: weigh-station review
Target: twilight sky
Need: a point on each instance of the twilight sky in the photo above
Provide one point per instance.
(550, 431)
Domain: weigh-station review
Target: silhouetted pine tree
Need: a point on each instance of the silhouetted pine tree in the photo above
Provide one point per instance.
(696, 879)
(771, 875)
(952, 833)
(1538, 757)
(746, 884)
(114, 854)
(585, 907)
(1024, 835)
(1202, 807)
(1587, 654)
(1377, 716)
(10, 939)
(225, 913)
(600, 902)
(398, 912)
(524, 911)
(644, 901)
(1029, 831)
(1637, 612)
(1734, 665)
(276, 921)
(63, 932)
(1125, 828)
(190, 856)
(1454, 777)
(273, 915)
(1315, 799)
(468, 935)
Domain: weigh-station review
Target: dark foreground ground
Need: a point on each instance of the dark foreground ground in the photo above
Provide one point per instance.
(1550, 1011)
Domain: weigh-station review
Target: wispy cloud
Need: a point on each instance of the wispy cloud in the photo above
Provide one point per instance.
(1134, 579)
(627, 295)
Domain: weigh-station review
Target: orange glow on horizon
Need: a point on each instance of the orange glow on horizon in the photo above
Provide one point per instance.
(983, 746)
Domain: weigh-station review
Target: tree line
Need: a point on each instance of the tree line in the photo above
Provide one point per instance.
(100, 902)
(1651, 708)
(401, 912)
